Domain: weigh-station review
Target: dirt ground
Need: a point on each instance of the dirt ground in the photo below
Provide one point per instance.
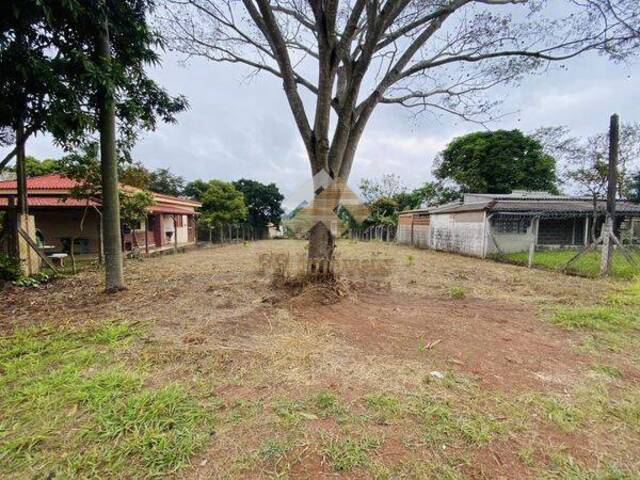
(450, 333)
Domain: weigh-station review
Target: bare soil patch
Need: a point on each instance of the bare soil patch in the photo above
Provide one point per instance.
(500, 344)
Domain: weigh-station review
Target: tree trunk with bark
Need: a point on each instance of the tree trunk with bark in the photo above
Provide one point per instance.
(321, 247)
(109, 166)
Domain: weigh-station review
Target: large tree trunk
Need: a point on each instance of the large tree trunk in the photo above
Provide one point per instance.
(321, 247)
(110, 201)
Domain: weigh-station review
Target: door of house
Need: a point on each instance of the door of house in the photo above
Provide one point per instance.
(155, 226)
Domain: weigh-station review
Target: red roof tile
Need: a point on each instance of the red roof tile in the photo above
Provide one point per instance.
(54, 181)
(62, 202)
(169, 209)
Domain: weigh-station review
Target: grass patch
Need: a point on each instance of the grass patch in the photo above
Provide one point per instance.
(601, 318)
(292, 411)
(608, 371)
(612, 323)
(457, 292)
(442, 424)
(566, 467)
(347, 454)
(563, 414)
(587, 265)
(381, 407)
(64, 392)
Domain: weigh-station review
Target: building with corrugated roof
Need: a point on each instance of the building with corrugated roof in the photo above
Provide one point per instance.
(484, 224)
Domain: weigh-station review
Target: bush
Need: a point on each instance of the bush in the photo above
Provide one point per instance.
(9, 268)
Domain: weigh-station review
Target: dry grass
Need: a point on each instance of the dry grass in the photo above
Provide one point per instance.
(454, 373)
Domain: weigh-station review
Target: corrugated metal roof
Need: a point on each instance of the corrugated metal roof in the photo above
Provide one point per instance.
(461, 207)
(565, 205)
(570, 206)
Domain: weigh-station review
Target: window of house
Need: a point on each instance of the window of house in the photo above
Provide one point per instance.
(179, 220)
(510, 224)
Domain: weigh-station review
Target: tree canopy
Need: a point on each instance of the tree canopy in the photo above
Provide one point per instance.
(263, 202)
(195, 189)
(162, 180)
(222, 203)
(497, 162)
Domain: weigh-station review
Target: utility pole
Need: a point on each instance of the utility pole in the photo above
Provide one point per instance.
(614, 147)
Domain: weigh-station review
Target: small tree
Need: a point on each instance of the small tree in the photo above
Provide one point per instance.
(84, 166)
(388, 186)
(222, 203)
(586, 154)
(134, 207)
(592, 180)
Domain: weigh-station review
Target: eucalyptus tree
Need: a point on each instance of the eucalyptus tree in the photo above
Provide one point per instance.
(338, 60)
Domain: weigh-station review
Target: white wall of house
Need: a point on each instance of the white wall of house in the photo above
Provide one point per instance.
(458, 232)
(421, 235)
(183, 231)
(509, 242)
(403, 233)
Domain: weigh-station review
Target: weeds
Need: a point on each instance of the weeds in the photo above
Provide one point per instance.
(382, 407)
(457, 292)
(347, 454)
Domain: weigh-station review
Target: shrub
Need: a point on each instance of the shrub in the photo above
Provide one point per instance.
(457, 292)
(9, 268)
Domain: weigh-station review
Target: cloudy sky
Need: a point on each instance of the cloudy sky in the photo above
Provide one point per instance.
(239, 127)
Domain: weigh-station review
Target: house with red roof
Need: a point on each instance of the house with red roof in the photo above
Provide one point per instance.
(59, 217)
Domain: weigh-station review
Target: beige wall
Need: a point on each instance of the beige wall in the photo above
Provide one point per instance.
(167, 226)
(56, 224)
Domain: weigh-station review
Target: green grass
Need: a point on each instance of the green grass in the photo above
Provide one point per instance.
(587, 265)
(444, 424)
(566, 467)
(457, 292)
(69, 409)
(347, 454)
(381, 407)
(613, 323)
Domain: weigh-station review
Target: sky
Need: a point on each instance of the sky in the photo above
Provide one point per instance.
(240, 126)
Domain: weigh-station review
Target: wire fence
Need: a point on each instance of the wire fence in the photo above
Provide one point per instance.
(384, 233)
(231, 233)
